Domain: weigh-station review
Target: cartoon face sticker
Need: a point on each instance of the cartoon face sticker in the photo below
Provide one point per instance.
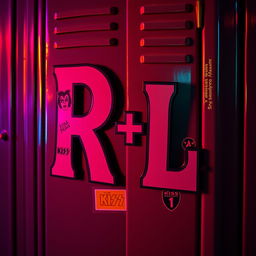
(64, 100)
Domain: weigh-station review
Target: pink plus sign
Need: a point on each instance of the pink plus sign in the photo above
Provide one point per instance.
(129, 128)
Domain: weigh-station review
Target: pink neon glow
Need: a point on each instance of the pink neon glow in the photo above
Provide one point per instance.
(157, 175)
(83, 126)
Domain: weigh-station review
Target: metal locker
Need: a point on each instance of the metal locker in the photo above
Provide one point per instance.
(126, 128)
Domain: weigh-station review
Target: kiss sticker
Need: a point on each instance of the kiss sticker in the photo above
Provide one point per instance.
(110, 200)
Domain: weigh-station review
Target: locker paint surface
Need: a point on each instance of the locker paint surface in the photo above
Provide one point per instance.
(6, 147)
(142, 34)
(70, 43)
(78, 209)
(157, 68)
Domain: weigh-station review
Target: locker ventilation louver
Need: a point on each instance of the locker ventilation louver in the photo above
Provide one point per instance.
(164, 30)
(80, 28)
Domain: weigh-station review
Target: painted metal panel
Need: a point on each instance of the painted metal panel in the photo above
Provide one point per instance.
(73, 225)
(26, 173)
(209, 108)
(40, 123)
(249, 179)
(229, 125)
(7, 186)
(139, 45)
(151, 228)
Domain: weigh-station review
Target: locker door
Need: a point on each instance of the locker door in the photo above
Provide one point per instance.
(222, 128)
(163, 51)
(249, 209)
(6, 146)
(18, 62)
(229, 129)
(88, 36)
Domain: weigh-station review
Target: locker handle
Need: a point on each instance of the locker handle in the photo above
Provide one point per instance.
(3, 135)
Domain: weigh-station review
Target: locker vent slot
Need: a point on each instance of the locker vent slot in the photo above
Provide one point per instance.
(167, 33)
(85, 13)
(67, 28)
(166, 25)
(170, 8)
(156, 42)
(85, 28)
(85, 43)
(166, 59)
